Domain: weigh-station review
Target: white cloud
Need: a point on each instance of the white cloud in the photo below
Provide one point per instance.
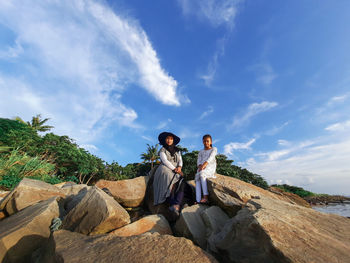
(231, 147)
(340, 126)
(73, 60)
(216, 12)
(338, 99)
(207, 112)
(321, 165)
(276, 129)
(147, 138)
(253, 109)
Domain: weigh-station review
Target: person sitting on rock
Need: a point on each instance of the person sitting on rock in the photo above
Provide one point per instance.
(169, 174)
(206, 164)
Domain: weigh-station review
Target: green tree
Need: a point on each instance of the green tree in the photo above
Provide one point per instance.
(37, 123)
(151, 155)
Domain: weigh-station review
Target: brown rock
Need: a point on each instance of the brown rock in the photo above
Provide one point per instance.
(270, 230)
(231, 194)
(191, 225)
(71, 247)
(152, 224)
(96, 213)
(3, 194)
(129, 193)
(292, 197)
(64, 184)
(26, 231)
(27, 193)
(2, 215)
(214, 219)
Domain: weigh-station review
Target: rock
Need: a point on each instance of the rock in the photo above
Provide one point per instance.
(152, 224)
(129, 193)
(231, 194)
(3, 194)
(2, 215)
(26, 231)
(96, 213)
(71, 190)
(27, 193)
(292, 197)
(71, 247)
(191, 225)
(64, 184)
(214, 219)
(271, 230)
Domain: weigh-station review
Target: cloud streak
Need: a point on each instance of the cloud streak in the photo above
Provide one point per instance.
(252, 110)
(73, 60)
(231, 147)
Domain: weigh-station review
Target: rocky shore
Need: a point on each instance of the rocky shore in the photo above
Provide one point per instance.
(326, 199)
(116, 221)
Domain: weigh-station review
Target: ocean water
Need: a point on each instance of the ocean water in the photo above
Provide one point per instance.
(338, 209)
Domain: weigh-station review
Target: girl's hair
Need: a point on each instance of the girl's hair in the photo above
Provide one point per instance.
(208, 136)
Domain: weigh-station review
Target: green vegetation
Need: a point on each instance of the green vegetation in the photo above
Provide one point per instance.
(53, 159)
(151, 156)
(294, 189)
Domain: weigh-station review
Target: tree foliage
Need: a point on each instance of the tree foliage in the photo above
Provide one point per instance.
(151, 155)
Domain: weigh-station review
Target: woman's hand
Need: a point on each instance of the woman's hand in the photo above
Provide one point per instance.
(203, 166)
(178, 169)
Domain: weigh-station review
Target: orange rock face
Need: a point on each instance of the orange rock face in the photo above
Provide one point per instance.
(152, 224)
(129, 193)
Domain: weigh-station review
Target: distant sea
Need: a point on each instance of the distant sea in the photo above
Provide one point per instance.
(335, 208)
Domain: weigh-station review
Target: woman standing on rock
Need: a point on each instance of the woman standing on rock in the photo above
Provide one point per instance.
(168, 173)
(206, 164)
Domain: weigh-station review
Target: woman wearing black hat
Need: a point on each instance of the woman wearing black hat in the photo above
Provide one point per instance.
(169, 172)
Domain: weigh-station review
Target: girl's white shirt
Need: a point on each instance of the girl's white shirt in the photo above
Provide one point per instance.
(209, 157)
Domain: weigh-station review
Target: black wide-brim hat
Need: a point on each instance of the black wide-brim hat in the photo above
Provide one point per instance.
(163, 135)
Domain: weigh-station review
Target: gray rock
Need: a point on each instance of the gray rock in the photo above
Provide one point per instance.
(96, 213)
(191, 225)
(26, 231)
(72, 247)
(27, 193)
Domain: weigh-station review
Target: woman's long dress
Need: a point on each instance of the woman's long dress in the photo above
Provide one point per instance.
(164, 177)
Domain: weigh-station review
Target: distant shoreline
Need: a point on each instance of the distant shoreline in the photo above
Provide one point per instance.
(327, 199)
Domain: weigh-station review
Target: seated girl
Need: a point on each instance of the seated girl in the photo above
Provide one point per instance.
(206, 164)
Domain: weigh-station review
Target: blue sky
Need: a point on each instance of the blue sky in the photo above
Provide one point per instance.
(269, 80)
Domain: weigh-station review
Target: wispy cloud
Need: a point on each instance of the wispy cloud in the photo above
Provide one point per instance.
(265, 74)
(207, 112)
(75, 58)
(163, 124)
(315, 164)
(339, 126)
(252, 110)
(231, 147)
(276, 129)
(216, 12)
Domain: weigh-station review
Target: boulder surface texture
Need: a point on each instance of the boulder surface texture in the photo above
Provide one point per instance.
(128, 193)
(27, 193)
(96, 213)
(270, 229)
(72, 247)
(152, 224)
(27, 230)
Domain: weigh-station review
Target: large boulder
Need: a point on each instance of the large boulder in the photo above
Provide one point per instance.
(27, 193)
(271, 230)
(27, 230)
(128, 193)
(292, 197)
(191, 225)
(152, 224)
(214, 219)
(72, 247)
(231, 194)
(96, 213)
